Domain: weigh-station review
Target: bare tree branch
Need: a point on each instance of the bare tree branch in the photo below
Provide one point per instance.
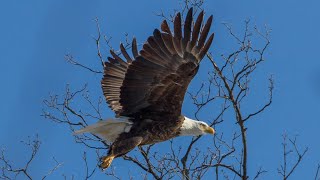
(259, 173)
(8, 171)
(69, 58)
(98, 42)
(58, 165)
(284, 170)
(317, 173)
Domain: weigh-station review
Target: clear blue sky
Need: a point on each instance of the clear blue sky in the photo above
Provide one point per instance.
(35, 36)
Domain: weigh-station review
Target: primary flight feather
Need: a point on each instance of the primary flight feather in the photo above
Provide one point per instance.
(147, 89)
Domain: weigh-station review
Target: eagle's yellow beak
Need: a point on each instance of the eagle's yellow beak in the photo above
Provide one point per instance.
(209, 130)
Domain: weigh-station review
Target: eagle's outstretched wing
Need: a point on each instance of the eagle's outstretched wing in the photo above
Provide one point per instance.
(158, 77)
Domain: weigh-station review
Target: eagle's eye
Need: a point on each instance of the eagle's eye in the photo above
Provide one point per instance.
(202, 125)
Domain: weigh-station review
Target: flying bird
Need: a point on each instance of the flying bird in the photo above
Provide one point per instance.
(146, 90)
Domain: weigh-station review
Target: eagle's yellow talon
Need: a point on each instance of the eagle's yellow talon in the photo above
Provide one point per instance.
(106, 161)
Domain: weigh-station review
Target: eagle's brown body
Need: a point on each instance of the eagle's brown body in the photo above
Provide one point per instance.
(149, 88)
(152, 131)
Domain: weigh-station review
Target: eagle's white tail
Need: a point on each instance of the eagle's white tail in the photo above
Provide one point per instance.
(108, 129)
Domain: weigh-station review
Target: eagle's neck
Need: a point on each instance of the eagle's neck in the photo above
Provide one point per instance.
(190, 127)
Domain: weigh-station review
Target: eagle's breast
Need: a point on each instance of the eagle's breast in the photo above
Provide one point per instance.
(154, 131)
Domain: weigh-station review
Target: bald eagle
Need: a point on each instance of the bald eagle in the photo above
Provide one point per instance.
(146, 92)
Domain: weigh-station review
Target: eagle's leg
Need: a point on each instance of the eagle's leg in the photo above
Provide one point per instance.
(119, 148)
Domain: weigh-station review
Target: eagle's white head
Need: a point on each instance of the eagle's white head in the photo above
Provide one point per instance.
(192, 127)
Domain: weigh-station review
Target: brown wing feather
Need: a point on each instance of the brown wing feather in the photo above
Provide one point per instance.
(114, 74)
(156, 81)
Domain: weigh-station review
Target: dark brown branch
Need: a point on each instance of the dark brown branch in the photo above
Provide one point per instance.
(135, 161)
(87, 173)
(238, 116)
(97, 40)
(271, 87)
(69, 58)
(317, 173)
(259, 173)
(283, 170)
(57, 166)
(145, 155)
(9, 172)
